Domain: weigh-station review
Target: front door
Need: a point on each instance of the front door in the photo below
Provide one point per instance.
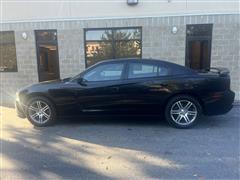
(198, 46)
(47, 54)
(99, 88)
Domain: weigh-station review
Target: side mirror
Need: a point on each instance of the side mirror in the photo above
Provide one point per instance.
(82, 81)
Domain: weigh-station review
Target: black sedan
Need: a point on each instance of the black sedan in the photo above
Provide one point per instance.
(130, 86)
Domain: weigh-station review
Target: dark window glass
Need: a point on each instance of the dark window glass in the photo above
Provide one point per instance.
(105, 72)
(139, 70)
(8, 59)
(199, 30)
(42, 35)
(198, 46)
(110, 43)
(163, 71)
(47, 55)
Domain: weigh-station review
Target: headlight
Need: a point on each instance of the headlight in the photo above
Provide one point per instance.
(17, 96)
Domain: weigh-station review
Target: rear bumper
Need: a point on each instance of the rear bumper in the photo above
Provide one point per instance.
(219, 103)
(20, 109)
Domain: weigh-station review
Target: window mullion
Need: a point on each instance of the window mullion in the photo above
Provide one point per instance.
(113, 44)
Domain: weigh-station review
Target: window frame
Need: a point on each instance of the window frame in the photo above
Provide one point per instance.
(12, 70)
(113, 41)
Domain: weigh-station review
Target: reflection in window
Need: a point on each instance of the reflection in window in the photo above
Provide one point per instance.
(8, 59)
(139, 70)
(199, 30)
(105, 72)
(143, 70)
(112, 43)
(42, 35)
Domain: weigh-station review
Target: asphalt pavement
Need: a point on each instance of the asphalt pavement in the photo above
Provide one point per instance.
(120, 148)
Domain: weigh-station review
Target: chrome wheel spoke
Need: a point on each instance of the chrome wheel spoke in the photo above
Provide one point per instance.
(33, 108)
(45, 108)
(39, 105)
(187, 120)
(178, 119)
(175, 112)
(179, 105)
(189, 104)
(193, 113)
(40, 119)
(45, 115)
(34, 115)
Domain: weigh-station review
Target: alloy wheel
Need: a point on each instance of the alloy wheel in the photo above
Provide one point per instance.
(39, 112)
(183, 112)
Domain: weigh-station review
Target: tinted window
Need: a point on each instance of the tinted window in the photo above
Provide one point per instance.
(111, 43)
(141, 70)
(199, 30)
(8, 59)
(163, 71)
(138, 70)
(105, 72)
(43, 35)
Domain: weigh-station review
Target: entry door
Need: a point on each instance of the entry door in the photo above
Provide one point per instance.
(198, 55)
(198, 46)
(47, 55)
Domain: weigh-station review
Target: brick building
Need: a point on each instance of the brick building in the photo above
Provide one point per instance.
(57, 40)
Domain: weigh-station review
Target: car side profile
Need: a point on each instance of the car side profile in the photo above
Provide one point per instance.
(130, 86)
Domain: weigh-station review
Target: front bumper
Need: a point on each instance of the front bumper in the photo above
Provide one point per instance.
(219, 104)
(20, 109)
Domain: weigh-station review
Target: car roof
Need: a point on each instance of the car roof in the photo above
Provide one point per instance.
(137, 60)
(154, 61)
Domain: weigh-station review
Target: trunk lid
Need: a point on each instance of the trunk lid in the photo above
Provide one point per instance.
(219, 78)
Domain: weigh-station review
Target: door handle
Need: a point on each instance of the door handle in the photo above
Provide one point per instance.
(115, 89)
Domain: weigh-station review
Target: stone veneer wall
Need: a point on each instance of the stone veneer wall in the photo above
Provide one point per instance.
(158, 42)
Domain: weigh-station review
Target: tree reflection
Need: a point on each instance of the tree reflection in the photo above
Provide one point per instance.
(121, 43)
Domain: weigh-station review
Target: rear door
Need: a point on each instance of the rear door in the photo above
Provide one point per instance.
(145, 86)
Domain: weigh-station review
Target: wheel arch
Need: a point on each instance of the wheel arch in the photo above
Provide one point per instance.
(185, 94)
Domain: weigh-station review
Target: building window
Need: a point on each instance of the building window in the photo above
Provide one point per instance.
(8, 59)
(111, 43)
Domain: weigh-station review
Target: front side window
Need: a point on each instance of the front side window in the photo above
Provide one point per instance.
(111, 43)
(8, 59)
(105, 72)
(142, 70)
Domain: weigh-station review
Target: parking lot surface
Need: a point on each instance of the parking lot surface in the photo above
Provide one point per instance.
(120, 148)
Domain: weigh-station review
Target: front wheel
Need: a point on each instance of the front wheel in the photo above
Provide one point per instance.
(182, 111)
(40, 112)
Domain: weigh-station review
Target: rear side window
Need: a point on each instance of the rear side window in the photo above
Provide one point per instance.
(142, 70)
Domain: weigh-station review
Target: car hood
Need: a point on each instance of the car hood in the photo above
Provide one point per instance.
(44, 86)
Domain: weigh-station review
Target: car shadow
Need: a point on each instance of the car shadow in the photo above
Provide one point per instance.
(103, 147)
(144, 120)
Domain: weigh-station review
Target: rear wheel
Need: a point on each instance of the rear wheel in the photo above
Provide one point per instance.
(40, 112)
(182, 111)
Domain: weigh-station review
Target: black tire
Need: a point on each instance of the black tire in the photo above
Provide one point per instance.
(52, 114)
(172, 118)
